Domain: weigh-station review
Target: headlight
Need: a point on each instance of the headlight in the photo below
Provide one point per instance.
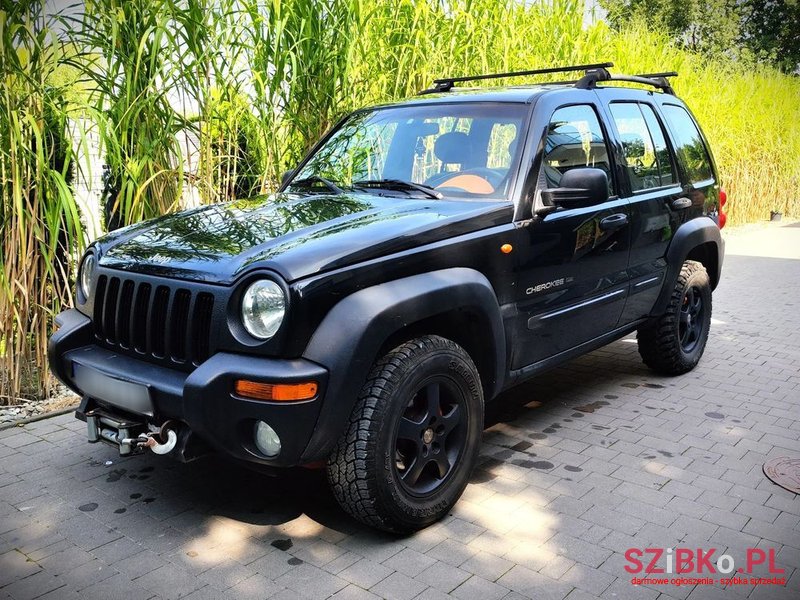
(87, 270)
(263, 308)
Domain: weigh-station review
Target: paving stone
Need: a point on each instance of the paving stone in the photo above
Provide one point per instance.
(648, 469)
(87, 574)
(452, 552)
(353, 592)
(35, 585)
(478, 587)
(443, 577)
(409, 562)
(257, 587)
(587, 579)
(533, 585)
(726, 518)
(15, 566)
(117, 587)
(365, 573)
(311, 581)
(398, 587)
(578, 550)
(487, 566)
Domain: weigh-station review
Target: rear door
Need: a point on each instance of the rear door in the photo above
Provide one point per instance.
(571, 270)
(650, 181)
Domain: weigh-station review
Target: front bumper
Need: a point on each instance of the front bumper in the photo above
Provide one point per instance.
(203, 400)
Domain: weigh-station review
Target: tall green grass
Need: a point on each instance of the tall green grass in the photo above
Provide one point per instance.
(256, 82)
(41, 228)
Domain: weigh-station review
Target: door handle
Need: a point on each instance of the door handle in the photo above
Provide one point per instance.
(681, 203)
(614, 222)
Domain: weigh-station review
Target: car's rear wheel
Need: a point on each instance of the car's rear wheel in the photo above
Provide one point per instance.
(674, 343)
(413, 437)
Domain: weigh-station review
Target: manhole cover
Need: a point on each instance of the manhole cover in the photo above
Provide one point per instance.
(785, 472)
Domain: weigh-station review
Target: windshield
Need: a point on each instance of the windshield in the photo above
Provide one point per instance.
(457, 150)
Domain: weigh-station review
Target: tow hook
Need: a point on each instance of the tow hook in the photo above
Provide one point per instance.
(167, 436)
(166, 448)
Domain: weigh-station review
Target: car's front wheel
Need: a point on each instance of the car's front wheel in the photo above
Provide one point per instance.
(413, 437)
(674, 343)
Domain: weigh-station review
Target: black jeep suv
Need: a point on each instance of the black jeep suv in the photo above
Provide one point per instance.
(424, 257)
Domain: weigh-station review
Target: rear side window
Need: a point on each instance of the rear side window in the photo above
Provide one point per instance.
(647, 159)
(692, 152)
(574, 139)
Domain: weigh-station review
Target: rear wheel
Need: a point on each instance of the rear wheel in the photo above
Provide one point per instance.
(412, 439)
(674, 343)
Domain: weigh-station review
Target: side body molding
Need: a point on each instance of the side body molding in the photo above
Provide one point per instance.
(690, 235)
(348, 340)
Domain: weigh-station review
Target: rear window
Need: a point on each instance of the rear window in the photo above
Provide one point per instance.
(692, 152)
(647, 159)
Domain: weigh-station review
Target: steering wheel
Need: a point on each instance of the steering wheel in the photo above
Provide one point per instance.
(480, 180)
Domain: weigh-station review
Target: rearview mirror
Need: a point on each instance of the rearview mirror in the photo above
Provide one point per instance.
(583, 186)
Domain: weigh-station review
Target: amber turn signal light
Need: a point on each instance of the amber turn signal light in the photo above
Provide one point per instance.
(276, 392)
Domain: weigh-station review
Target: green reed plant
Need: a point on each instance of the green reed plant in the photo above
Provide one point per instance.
(131, 62)
(41, 229)
(257, 82)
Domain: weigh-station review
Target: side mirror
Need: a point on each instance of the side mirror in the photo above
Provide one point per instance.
(287, 175)
(583, 186)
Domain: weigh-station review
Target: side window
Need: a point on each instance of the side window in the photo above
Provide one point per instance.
(666, 169)
(691, 150)
(647, 159)
(574, 139)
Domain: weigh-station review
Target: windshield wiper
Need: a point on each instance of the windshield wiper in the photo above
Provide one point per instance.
(310, 181)
(400, 185)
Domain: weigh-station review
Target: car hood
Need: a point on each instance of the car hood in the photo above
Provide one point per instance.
(295, 235)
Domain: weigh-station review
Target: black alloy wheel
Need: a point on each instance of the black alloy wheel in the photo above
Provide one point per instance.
(413, 436)
(691, 323)
(430, 436)
(673, 343)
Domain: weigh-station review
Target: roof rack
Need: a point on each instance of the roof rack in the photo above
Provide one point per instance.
(594, 74)
(657, 80)
(447, 83)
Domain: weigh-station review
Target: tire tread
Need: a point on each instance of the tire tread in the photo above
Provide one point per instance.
(350, 475)
(658, 341)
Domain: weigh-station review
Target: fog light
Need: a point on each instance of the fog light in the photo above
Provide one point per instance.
(266, 439)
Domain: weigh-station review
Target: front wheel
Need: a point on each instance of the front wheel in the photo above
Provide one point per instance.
(412, 439)
(673, 343)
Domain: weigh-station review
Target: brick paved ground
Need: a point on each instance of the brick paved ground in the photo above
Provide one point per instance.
(560, 495)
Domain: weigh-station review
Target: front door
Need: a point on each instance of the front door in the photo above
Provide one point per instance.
(572, 272)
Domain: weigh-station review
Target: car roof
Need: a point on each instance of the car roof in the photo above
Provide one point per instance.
(517, 94)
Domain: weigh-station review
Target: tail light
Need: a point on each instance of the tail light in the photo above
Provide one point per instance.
(723, 200)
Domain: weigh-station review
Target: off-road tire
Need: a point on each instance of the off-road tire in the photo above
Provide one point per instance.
(362, 469)
(659, 340)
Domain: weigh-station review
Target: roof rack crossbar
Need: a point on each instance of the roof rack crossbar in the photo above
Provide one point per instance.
(594, 74)
(657, 80)
(663, 75)
(446, 84)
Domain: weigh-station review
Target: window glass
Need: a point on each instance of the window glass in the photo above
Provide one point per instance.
(462, 150)
(691, 151)
(574, 139)
(666, 169)
(502, 145)
(647, 159)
